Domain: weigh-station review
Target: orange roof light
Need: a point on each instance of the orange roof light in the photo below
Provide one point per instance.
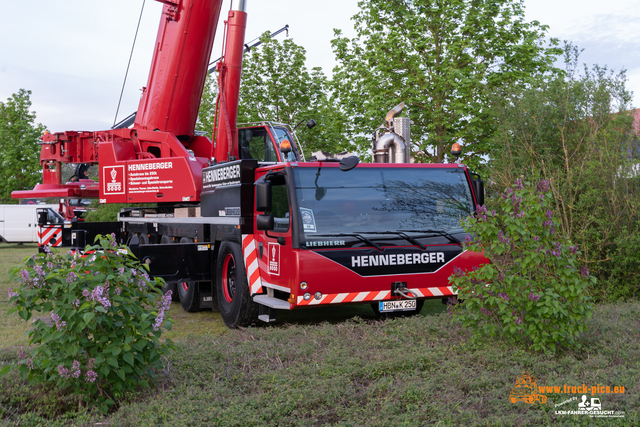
(285, 146)
(456, 149)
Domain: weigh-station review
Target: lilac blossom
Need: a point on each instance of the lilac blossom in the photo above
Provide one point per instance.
(518, 184)
(71, 277)
(64, 372)
(24, 274)
(121, 270)
(101, 295)
(534, 297)
(481, 211)
(504, 296)
(47, 249)
(518, 320)
(458, 271)
(467, 239)
(13, 293)
(163, 305)
(91, 376)
(485, 311)
(57, 320)
(38, 270)
(584, 272)
(502, 237)
(573, 249)
(536, 238)
(543, 186)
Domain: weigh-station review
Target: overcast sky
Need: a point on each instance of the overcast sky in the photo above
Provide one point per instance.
(73, 54)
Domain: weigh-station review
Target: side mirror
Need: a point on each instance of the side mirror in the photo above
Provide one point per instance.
(42, 218)
(348, 163)
(263, 196)
(265, 222)
(478, 188)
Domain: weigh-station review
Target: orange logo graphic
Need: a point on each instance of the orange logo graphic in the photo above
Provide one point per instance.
(526, 390)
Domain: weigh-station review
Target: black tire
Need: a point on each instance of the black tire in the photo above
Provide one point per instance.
(232, 289)
(188, 291)
(376, 309)
(138, 239)
(169, 286)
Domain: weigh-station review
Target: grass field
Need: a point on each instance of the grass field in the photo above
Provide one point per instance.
(347, 371)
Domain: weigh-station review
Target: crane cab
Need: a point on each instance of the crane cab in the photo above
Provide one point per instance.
(268, 142)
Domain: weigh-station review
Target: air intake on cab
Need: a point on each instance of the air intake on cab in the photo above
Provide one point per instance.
(392, 140)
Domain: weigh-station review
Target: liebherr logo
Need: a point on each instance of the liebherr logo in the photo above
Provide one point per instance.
(114, 180)
(397, 259)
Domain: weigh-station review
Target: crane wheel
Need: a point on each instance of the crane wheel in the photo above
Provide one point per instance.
(232, 289)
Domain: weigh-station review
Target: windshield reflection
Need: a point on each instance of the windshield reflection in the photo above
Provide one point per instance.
(382, 199)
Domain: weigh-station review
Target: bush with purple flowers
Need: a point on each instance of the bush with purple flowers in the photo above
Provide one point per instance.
(534, 291)
(98, 321)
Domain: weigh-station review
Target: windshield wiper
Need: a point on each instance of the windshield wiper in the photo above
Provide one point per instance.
(399, 233)
(437, 232)
(356, 235)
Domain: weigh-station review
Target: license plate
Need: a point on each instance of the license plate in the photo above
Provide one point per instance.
(397, 305)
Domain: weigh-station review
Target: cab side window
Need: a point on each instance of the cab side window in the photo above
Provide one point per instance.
(280, 208)
(255, 143)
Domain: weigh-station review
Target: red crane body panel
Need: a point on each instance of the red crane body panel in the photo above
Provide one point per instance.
(171, 100)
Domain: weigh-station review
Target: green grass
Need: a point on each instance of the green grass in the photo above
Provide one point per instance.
(304, 371)
(12, 328)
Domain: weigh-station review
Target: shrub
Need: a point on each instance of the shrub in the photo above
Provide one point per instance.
(576, 130)
(99, 326)
(534, 291)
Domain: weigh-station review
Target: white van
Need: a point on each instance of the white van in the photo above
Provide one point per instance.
(19, 223)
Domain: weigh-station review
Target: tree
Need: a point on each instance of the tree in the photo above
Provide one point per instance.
(442, 58)
(20, 152)
(574, 131)
(277, 86)
(206, 113)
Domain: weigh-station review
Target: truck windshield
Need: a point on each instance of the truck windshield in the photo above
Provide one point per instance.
(382, 199)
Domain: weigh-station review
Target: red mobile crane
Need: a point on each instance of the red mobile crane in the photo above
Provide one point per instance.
(244, 224)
